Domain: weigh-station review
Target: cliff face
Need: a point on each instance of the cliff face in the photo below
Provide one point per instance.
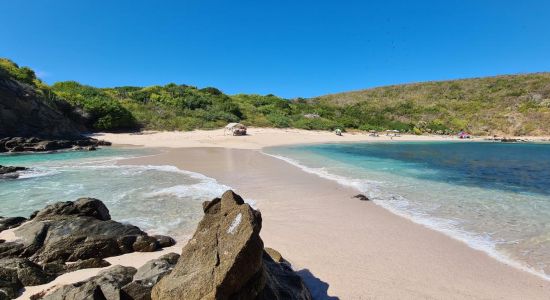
(24, 112)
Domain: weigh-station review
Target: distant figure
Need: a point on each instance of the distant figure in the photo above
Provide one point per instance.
(338, 131)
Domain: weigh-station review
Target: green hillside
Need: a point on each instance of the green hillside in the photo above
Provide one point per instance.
(511, 105)
(514, 104)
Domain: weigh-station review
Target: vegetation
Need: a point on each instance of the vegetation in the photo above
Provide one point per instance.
(518, 104)
(514, 104)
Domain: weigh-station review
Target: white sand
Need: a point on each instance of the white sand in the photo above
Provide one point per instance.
(257, 138)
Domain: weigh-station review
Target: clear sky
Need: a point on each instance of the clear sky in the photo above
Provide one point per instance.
(289, 48)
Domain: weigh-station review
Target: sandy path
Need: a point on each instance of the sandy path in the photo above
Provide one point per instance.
(355, 249)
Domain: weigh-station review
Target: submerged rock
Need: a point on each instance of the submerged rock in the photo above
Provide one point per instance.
(225, 259)
(10, 171)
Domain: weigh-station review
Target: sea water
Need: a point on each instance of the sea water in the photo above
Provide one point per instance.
(158, 199)
(493, 196)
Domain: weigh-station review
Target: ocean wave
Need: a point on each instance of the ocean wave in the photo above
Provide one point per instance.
(399, 205)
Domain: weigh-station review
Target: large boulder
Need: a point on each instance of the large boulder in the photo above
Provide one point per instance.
(225, 259)
(79, 230)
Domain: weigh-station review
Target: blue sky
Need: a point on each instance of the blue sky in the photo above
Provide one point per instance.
(289, 48)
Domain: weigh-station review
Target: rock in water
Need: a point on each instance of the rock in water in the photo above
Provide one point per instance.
(361, 197)
(225, 259)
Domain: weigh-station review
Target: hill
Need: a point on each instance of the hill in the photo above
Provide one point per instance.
(28, 108)
(509, 105)
(513, 104)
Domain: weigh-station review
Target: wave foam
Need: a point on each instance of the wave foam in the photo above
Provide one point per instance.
(400, 206)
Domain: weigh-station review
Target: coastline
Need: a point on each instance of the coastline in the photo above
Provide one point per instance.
(259, 138)
(348, 248)
(341, 246)
(385, 255)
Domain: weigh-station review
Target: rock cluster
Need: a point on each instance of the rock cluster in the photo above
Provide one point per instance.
(118, 282)
(80, 232)
(21, 144)
(225, 259)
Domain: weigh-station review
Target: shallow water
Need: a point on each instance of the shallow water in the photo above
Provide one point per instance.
(493, 196)
(159, 199)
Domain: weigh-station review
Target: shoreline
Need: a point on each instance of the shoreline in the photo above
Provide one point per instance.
(259, 138)
(342, 247)
(399, 261)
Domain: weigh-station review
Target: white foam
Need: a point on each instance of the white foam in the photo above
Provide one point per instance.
(400, 206)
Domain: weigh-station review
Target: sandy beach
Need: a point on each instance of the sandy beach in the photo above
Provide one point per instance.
(348, 248)
(259, 138)
(345, 247)
(341, 246)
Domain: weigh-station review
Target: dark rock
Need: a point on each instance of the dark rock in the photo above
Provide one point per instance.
(79, 230)
(10, 169)
(87, 264)
(26, 112)
(361, 197)
(145, 243)
(106, 285)
(10, 172)
(225, 259)
(89, 207)
(148, 275)
(18, 144)
(8, 223)
(165, 241)
(10, 285)
(28, 272)
(281, 282)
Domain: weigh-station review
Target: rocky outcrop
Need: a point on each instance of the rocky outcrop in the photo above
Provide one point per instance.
(106, 285)
(225, 259)
(21, 144)
(80, 232)
(25, 111)
(118, 282)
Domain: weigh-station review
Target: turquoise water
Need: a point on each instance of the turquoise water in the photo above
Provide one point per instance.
(159, 199)
(493, 196)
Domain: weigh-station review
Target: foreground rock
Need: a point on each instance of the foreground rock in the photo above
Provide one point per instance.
(21, 144)
(80, 232)
(118, 282)
(225, 259)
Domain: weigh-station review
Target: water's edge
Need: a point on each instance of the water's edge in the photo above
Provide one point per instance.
(485, 246)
